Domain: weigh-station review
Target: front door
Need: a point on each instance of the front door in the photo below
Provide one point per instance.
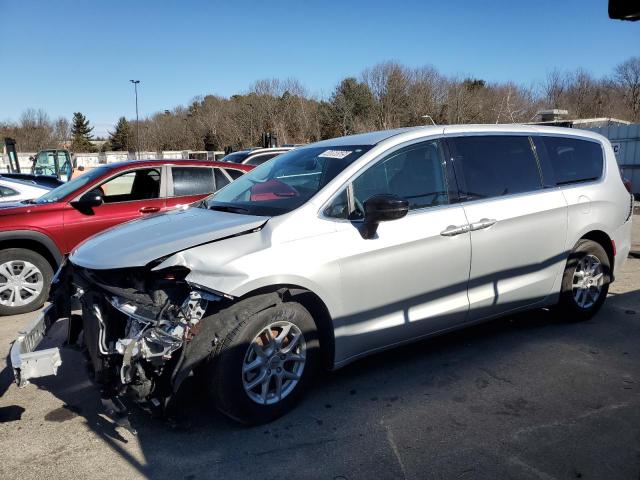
(127, 196)
(518, 228)
(411, 278)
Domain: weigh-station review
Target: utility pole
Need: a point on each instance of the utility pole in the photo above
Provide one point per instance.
(135, 87)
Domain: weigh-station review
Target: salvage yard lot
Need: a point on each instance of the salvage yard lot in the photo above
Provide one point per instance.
(520, 397)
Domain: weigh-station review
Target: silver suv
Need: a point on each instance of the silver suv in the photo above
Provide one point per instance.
(337, 250)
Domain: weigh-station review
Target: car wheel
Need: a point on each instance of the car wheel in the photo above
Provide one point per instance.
(25, 277)
(585, 282)
(265, 364)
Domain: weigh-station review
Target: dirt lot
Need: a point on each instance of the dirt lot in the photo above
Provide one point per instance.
(521, 397)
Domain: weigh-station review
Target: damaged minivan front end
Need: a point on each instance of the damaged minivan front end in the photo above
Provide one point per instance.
(136, 325)
(141, 327)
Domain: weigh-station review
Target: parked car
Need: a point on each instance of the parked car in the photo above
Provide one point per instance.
(340, 249)
(35, 235)
(255, 156)
(12, 190)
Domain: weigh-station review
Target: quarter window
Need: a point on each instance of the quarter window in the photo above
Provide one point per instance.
(414, 173)
(234, 173)
(574, 160)
(221, 179)
(192, 181)
(493, 166)
(7, 192)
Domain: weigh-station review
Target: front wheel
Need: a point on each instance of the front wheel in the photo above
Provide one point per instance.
(265, 364)
(25, 277)
(585, 282)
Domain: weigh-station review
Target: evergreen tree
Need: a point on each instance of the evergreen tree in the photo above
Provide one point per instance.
(81, 134)
(121, 139)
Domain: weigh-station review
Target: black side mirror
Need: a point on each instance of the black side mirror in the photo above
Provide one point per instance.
(93, 198)
(382, 208)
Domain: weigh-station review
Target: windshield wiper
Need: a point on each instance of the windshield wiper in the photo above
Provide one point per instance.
(228, 208)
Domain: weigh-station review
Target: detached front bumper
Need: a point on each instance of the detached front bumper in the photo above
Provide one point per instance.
(25, 361)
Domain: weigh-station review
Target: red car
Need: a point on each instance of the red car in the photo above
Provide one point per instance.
(36, 234)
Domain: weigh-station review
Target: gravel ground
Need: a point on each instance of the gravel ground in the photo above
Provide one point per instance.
(521, 397)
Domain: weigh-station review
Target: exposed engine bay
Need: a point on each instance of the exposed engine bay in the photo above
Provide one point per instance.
(143, 330)
(137, 327)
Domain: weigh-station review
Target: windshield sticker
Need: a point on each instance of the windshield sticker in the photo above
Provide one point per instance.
(340, 154)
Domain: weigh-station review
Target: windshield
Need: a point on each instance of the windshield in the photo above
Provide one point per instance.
(71, 186)
(286, 182)
(236, 157)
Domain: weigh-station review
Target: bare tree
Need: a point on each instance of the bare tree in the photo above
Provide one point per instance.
(627, 76)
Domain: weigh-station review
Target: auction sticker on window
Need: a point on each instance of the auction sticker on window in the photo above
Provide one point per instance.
(334, 154)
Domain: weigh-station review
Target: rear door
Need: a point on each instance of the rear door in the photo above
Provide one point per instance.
(128, 195)
(517, 224)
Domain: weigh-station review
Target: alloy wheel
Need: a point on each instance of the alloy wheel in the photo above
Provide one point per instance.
(588, 280)
(21, 282)
(274, 362)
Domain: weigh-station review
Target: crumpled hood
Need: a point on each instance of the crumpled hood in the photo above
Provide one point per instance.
(136, 243)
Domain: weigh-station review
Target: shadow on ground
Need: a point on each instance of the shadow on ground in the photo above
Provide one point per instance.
(522, 396)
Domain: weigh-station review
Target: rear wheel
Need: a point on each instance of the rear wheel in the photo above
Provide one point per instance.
(25, 277)
(585, 283)
(265, 364)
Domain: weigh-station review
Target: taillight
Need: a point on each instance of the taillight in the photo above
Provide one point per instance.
(627, 184)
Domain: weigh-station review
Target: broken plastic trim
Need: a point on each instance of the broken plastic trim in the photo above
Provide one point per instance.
(209, 293)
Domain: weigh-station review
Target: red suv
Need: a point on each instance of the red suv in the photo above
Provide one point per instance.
(36, 234)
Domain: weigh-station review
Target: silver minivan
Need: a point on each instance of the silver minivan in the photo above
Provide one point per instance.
(337, 250)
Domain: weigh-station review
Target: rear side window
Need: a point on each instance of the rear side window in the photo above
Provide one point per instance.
(574, 160)
(493, 166)
(192, 180)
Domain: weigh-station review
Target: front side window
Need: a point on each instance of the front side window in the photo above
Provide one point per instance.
(574, 160)
(415, 173)
(286, 182)
(45, 164)
(494, 165)
(192, 180)
(142, 184)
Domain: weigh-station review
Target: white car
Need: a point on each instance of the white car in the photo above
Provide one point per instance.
(340, 249)
(255, 156)
(18, 190)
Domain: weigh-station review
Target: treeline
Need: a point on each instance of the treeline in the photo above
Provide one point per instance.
(387, 95)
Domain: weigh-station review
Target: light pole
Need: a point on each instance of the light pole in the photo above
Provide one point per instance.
(135, 87)
(429, 117)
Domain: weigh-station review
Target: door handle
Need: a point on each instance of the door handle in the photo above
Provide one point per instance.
(483, 223)
(453, 230)
(149, 209)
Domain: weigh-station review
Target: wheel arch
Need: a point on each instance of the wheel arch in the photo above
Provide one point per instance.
(604, 240)
(32, 240)
(316, 307)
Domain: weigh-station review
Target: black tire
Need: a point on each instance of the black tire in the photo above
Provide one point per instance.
(25, 255)
(568, 309)
(223, 373)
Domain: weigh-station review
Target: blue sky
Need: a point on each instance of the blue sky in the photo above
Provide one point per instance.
(67, 56)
